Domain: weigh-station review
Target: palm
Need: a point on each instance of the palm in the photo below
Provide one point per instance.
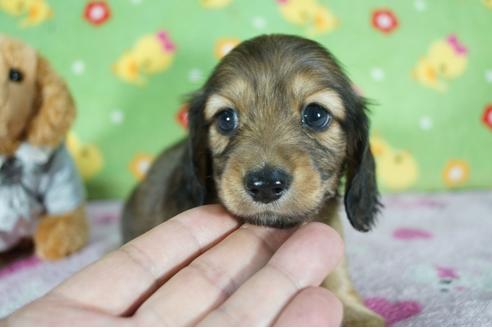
(201, 268)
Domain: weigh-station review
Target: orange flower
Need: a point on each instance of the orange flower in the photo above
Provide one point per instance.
(487, 116)
(456, 173)
(97, 12)
(140, 164)
(182, 116)
(223, 46)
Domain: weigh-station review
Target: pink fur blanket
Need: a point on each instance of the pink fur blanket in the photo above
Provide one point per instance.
(427, 263)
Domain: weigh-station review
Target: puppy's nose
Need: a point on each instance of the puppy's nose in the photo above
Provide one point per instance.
(267, 184)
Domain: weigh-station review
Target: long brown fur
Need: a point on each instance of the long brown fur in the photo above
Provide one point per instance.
(268, 81)
(55, 108)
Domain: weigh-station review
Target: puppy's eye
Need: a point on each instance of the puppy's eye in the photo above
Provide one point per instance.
(227, 121)
(316, 116)
(15, 75)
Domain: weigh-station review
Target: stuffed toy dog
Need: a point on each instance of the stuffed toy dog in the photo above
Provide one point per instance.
(41, 192)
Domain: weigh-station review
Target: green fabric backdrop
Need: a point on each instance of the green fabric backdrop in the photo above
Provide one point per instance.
(426, 64)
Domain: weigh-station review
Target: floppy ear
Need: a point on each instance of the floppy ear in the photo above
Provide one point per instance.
(361, 192)
(198, 167)
(54, 108)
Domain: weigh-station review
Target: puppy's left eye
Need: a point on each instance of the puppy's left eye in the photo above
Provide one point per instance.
(15, 75)
(227, 121)
(316, 117)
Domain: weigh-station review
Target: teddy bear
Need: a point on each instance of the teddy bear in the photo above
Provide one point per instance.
(41, 191)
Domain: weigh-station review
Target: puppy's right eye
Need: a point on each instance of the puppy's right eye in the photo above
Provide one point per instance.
(316, 117)
(15, 75)
(226, 121)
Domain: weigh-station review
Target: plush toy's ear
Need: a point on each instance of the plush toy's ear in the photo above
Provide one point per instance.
(361, 192)
(198, 167)
(54, 108)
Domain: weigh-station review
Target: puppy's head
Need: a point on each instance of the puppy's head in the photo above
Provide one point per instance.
(35, 105)
(275, 128)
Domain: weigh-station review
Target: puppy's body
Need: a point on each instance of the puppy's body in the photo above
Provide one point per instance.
(272, 132)
(162, 194)
(157, 199)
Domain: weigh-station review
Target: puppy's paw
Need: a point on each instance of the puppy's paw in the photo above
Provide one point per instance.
(357, 315)
(59, 236)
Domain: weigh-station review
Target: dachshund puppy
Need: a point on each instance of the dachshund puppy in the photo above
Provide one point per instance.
(272, 132)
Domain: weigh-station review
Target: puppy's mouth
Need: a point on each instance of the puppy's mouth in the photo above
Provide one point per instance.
(276, 215)
(272, 197)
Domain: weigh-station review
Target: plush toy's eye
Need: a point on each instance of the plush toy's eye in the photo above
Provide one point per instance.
(15, 75)
(316, 117)
(227, 121)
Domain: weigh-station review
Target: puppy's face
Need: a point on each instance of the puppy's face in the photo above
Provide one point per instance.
(276, 158)
(17, 75)
(276, 117)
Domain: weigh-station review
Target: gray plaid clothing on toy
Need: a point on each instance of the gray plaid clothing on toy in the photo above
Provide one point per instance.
(33, 182)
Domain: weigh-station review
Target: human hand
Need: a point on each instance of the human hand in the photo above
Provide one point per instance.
(201, 268)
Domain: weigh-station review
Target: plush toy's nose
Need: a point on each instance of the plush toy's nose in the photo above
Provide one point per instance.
(267, 184)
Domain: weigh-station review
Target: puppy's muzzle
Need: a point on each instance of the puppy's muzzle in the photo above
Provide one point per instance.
(267, 185)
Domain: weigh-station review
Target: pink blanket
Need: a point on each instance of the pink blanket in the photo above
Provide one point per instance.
(427, 263)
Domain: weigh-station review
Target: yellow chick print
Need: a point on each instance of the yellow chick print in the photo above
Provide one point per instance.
(215, 4)
(87, 157)
(316, 18)
(487, 3)
(151, 54)
(35, 11)
(13, 7)
(446, 60)
(396, 169)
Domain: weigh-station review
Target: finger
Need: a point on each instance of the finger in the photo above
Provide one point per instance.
(119, 282)
(51, 311)
(303, 260)
(312, 306)
(212, 277)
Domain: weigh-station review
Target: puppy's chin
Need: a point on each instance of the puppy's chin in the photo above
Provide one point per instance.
(284, 214)
(274, 220)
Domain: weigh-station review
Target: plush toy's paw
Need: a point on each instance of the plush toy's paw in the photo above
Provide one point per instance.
(61, 235)
(357, 315)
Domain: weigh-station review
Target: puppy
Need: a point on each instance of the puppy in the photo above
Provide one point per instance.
(272, 132)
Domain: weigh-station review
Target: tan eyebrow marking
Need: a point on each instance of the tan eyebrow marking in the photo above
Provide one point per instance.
(304, 84)
(307, 87)
(329, 99)
(214, 104)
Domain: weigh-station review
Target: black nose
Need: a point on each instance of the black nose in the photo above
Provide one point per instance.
(267, 184)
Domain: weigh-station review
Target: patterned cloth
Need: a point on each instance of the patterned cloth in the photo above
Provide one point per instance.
(32, 182)
(427, 263)
(429, 260)
(425, 64)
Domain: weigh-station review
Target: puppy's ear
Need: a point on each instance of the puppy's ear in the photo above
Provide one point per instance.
(54, 108)
(361, 192)
(198, 168)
